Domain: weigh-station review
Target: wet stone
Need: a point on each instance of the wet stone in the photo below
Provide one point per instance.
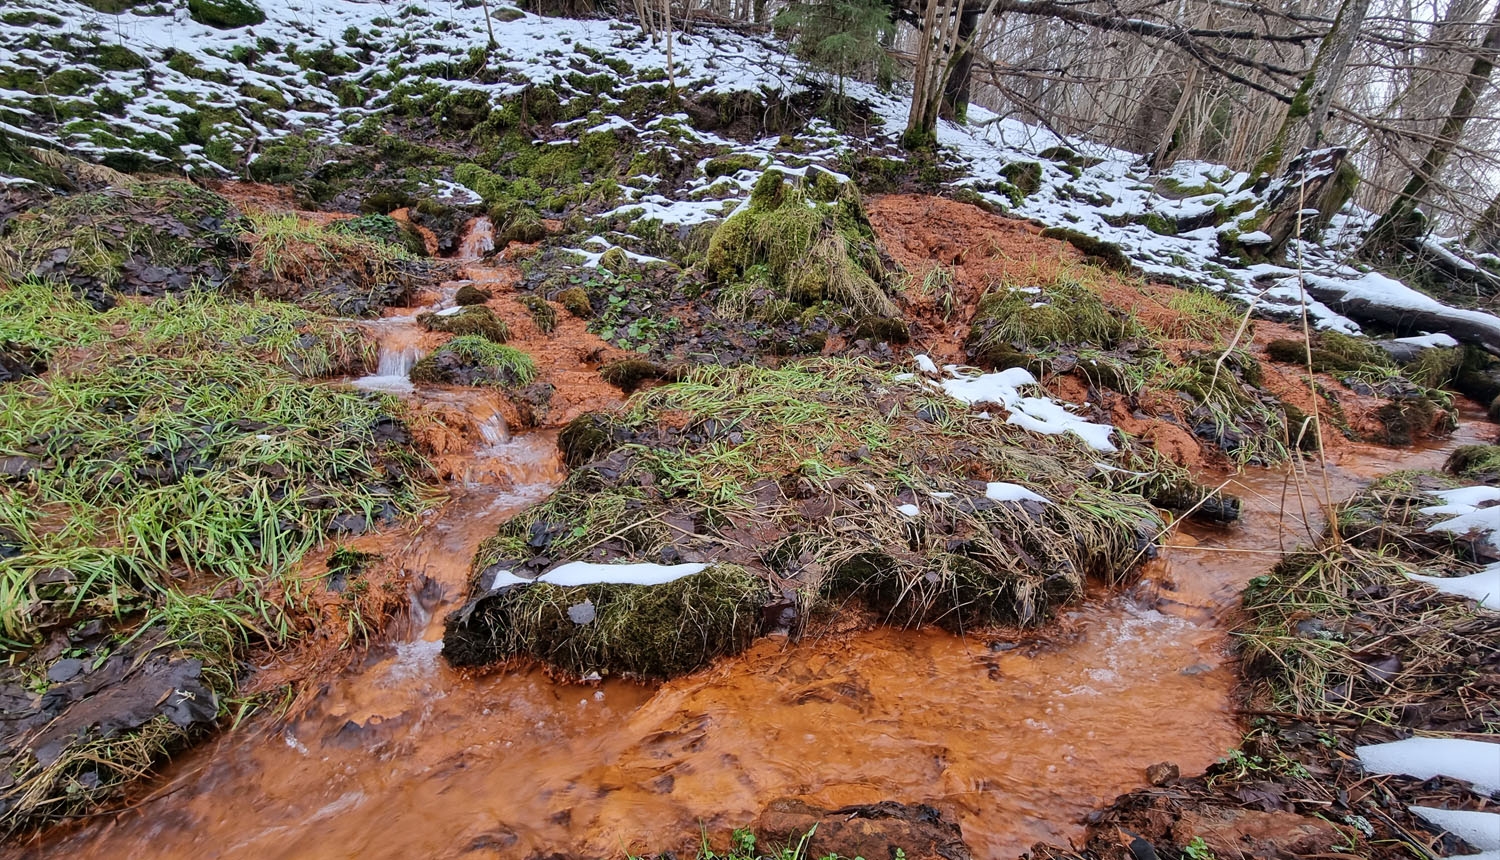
(64, 670)
(1162, 773)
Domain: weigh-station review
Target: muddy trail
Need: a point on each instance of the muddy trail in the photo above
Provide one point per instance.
(1016, 738)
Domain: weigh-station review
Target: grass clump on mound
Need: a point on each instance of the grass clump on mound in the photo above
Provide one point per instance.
(476, 320)
(160, 486)
(1343, 632)
(145, 238)
(475, 360)
(1065, 311)
(831, 479)
(646, 631)
(326, 269)
(1331, 352)
(809, 250)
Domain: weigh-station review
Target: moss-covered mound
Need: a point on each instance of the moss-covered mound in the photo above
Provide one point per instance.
(330, 269)
(475, 360)
(805, 245)
(158, 487)
(1027, 318)
(146, 238)
(828, 479)
(472, 320)
(646, 631)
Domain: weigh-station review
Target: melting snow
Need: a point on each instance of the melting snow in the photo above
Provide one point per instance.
(1480, 829)
(1483, 586)
(910, 510)
(1037, 414)
(1473, 762)
(1000, 491)
(590, 573)
(1429, 340)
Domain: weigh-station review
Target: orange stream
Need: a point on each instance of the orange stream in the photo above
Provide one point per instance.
(405, 758)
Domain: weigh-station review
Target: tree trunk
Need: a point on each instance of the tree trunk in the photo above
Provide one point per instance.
(1403, 222)
(1302, 128)
(1485, 237)
(956, 91)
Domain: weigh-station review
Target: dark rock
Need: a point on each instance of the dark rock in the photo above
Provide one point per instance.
(1162, 773)
(64, 669)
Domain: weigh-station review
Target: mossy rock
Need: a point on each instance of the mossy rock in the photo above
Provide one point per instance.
(226, 14)
(824, 458)
(1332, 352)
(474, 360)
(575, 300)
(472, 320)
(615, 261)
(543, 315)
(1475, 463)
(883, 329)
(810, 252)
(1105, 253)
(1026, 176)
(634, 630)
(728, 165)
(468, 295)
(627, 374)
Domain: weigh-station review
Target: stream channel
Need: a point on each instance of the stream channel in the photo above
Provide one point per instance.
(403, 757)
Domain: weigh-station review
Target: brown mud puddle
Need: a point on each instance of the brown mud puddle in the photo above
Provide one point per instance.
(403, 757)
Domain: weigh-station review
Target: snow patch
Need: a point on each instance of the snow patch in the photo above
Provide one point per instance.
(1474, 762)
(591, 573)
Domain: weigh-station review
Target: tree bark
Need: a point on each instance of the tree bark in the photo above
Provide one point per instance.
(1403, 222)
(960, 82)
(1302, 128)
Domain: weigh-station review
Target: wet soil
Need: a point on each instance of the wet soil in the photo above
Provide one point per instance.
(982, 249)
(1015, 738)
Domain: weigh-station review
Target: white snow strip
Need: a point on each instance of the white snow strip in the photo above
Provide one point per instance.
(1474, 762)
(910, 510)
(1479, 829)
(1001, 491)
(1037, 414)
(591, 573)
(925, 363)
(1429, 340)
(1463, 500)
(1483, 587)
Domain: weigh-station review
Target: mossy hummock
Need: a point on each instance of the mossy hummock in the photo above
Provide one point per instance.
(827, 479)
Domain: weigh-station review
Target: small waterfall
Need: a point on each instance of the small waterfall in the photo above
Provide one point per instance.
(478, 240)
(393, 369)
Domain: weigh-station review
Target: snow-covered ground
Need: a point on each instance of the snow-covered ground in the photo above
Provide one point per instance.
(294, 72)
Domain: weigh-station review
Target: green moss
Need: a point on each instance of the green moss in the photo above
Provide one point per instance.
(1060, 313)
(475, 360)
(575, 300)
(628, 374)
(635, 630)
(1435, 367)
(1332, 353)
(1026, 176)
(226, 14)
(117, 58)
(543, 315)
(474, 320)
(468, 294)
(1106, 253)
(811, 252)
(1474, 462)
(883, 329)
(728, 165)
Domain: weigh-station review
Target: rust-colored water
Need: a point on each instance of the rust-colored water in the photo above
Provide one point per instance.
(405, 758)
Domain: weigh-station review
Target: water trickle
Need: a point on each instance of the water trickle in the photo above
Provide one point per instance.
(478, 240)
(1020, 742)
(398, 339)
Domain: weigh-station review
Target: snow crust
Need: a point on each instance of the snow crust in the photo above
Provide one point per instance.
(1480, 829)
(1482, 587)
(1474, 762)
(1001, 491)
(1037, 414)
(591, 573)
